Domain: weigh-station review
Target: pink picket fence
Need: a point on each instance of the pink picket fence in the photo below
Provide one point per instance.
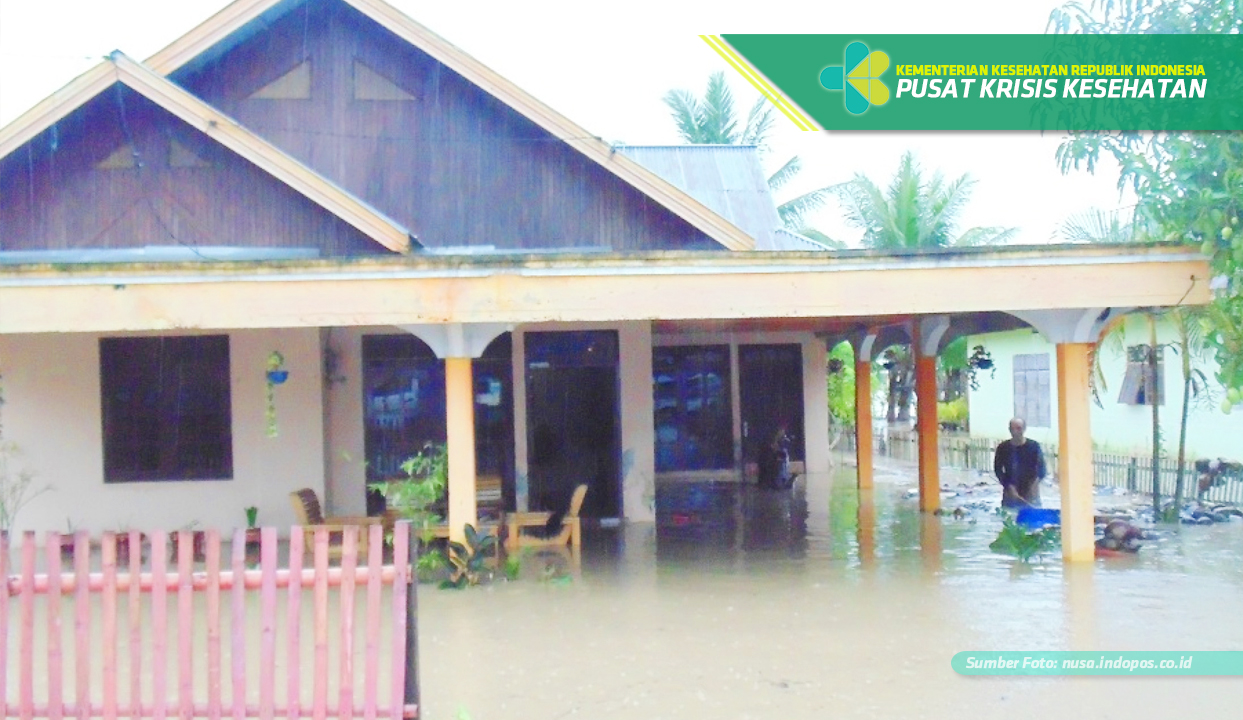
(150, 632)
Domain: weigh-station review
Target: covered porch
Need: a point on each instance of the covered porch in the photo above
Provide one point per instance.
(657, 307)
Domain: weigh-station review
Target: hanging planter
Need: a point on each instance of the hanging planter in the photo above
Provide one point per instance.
(980, 360)
(276, 375)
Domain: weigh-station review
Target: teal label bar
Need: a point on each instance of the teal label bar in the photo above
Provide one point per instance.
(1095, 662)
(1006, 82)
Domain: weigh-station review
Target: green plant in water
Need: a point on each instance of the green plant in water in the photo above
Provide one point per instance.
(252, 517)
(512, 567)
(430, 564)
(1015, 540)
(469, 559)
(427, 480)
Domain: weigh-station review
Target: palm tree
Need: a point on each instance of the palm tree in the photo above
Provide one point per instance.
(914, 212)
(712, 120)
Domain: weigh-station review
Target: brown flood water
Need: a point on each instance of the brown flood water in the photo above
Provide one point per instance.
(741, 603)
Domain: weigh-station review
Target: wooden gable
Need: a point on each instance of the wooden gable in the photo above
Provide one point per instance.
(122, 172)
(424, 145)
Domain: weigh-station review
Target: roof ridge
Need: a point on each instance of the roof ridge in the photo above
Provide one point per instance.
(119, 68)
(242, 12)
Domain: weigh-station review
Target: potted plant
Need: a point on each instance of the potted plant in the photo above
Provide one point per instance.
(123, 546)
(470, 558)
(979, 360)
(253, 534)
(276, 375)
(198, 541)
(66, 540)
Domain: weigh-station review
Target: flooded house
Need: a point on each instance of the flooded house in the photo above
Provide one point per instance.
(328, 190)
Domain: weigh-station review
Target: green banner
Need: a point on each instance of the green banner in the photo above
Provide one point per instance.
(1079, 662)
(1006, 82)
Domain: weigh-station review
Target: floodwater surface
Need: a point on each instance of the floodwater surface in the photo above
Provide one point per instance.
(820, 603)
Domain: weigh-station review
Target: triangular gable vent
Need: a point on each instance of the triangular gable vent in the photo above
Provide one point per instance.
(371, 85)
(243, 12)
(180, 156)
(215, 125)
(293, 85)
(120, 159)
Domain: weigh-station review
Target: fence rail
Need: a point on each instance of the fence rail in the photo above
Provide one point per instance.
(114, 601)
(1130, 472)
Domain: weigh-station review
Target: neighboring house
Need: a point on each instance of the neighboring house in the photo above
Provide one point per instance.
(438, 256)
(1025, 385)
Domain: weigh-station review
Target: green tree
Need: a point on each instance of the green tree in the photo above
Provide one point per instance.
(1097, 226)
(841, 389)
(713, 120)
(915, 212)
(1189, 185)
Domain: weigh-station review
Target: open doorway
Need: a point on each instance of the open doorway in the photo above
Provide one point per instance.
(573, 428)
(771, 387)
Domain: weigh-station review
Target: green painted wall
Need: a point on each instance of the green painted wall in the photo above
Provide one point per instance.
(1116, 427)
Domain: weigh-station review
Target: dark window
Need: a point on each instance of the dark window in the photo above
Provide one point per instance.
(597, 348)
(166, 408)
(1032, 393)
(1141, 386)
(403, 401)
(694, 416)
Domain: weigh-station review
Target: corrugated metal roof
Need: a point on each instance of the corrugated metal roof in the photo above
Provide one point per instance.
(790, 240)
(728, 179)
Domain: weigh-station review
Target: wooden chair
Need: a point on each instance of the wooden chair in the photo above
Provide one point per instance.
(571, 528)
(310, 515)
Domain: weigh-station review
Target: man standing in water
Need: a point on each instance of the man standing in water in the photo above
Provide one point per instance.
(1019, 465)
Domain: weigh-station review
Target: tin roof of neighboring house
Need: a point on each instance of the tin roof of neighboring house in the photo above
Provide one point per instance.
(730, 181)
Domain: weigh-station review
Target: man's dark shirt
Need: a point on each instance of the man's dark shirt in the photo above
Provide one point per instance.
(1019, 465)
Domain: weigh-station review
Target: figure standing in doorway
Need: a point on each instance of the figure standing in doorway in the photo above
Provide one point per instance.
(774, 461)
(1019, 465)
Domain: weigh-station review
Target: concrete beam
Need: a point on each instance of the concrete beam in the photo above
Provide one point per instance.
(145, 297)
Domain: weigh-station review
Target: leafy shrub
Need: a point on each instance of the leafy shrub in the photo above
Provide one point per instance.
(1015, 540)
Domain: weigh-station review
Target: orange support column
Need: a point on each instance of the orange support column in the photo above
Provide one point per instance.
(929, 457)
(460, 422)
(1074, 465)
(863, 423)
(865, 530)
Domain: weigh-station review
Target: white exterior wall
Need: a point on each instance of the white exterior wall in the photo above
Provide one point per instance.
(1115, 427)
(638, 429)
(816, 405)
(344, 450)
(53, 411)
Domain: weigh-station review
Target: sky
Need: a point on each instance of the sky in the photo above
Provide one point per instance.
(607, 65)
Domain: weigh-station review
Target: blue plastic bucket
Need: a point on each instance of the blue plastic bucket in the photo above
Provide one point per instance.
(1031, 517)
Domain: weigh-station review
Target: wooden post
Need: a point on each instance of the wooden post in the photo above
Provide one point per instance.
(929, 455)
(863, 423)
(1075, 451)
(460, 423)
